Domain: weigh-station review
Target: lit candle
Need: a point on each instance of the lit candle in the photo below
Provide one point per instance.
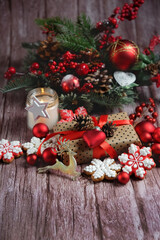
(44, 95)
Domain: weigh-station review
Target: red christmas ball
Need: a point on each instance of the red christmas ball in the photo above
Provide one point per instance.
(146, 137)
(156, 148)
(82, 69)
(32, 159)
(123, 54)
(40, 130)
(49, 156)
(144, 126)
(123, 177)
(156, 135)
(69, 83)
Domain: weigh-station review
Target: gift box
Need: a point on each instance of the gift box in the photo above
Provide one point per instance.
(123, 137)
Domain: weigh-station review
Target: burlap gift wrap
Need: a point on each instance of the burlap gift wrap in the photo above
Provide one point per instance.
(123, 137)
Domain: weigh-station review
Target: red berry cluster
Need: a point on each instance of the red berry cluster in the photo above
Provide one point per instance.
(86, 87)
(34, 69)
(156, 79)
(153, 43)
(68, 62)
(149, 108)
(128, 11)
(9, 73)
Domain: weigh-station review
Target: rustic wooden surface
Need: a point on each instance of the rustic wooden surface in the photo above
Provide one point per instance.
(47, 206)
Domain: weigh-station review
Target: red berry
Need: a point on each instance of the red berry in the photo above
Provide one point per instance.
(132, 116)
(35, 65)
(150, 110)
(139, 109)
(46, 74)
(155, 115)
(12, 70)
(39, 72)
(143, 105)
(138, 114)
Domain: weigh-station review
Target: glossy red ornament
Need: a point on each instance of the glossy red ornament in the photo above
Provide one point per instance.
(40, 130)
(144, 126)
(123, 54)
(146, 137)
(32, 159)
(82, 69)
(69, 83)
(156, 135)
(156, 148)
(123, 177)
(94, 138)
(49, 156)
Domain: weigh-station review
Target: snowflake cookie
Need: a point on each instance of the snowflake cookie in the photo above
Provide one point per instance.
(137, 160)
(102, 169)
(32, 146)
(9, 150)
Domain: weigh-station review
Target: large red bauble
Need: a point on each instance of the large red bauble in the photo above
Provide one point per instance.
(156, 135)
(123, 54)
(123, 177)
(94, 138)
(146, 137)
(82, 69)
(144, 126)
(69, 83)
(32, 159)
(49, 156)
(156, 148)
(40, 130)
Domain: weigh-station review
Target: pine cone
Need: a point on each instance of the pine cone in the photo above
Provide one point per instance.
(49, 49)
(55, 80)
(89, 55)
(153, 68)
(109, 129)
(83, 122)
(100, 80)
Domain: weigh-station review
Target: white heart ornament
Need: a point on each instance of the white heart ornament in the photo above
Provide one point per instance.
(124, 78)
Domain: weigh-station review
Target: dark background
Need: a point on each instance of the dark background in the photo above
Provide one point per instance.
(17, 22)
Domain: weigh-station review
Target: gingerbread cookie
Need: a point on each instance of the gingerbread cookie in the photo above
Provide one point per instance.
(32, 146)
(100, 170)
(137, 160)
(10, 150)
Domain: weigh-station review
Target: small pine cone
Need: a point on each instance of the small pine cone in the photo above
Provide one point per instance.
(109, 129)
(101, 81)
(83, 122)
(49, 49)
(153, 68)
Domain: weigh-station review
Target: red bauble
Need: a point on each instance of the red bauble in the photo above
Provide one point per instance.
(156, 135)
(69, 83)
(49, 156)
(144, 126)
(32, 159)
(146, 137)
(40, 130)
(123, 177)
(82, 69)
(94, 138)
(156, 148)
(123, 54)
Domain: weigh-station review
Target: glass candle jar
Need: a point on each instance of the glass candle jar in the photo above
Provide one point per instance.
(44, 95)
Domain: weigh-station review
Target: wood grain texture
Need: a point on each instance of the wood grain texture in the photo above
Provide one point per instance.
(48, 206)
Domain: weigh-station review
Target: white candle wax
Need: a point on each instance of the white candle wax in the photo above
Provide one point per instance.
(52, 110)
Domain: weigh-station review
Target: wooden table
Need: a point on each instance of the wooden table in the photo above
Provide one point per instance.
(47, 206)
